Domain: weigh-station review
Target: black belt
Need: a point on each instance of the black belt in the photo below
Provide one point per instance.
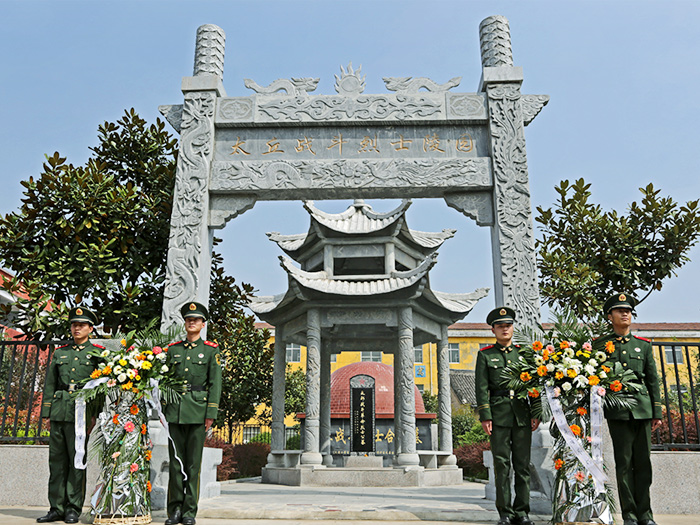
(68, 388)
(503, 393)
(193, 388)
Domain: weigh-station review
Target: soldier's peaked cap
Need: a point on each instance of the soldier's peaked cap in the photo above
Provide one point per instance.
(193, 309)
(502, 314)
(619, 300)
(80, 314)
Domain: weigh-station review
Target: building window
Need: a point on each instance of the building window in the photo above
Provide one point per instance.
(669, 351)
(334, 358)
(419, 353)
(293, 353)
(421, 388)
(373, 356)
(453, 352)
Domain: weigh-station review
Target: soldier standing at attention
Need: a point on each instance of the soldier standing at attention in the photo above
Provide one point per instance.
(197, 363)
(70, 365)
(631, 429)
(506, 419)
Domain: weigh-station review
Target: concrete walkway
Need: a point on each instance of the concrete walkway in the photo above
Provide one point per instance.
(254, 503)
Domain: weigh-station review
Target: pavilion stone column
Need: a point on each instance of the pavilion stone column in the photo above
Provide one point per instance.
(397, 404)
(277, 438)
(325, 431)
(407, 398)
(311, 455)
(445, 401)
(190, 243)
(512, 239)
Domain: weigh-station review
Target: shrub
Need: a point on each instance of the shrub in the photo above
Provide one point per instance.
(263, 437)
(470, 458)
(677, 426)
(463, 419)
(251, 458)
(228, 468)
(293, 442)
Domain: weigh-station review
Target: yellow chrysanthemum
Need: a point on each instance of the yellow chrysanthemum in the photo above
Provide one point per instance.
(571, 373)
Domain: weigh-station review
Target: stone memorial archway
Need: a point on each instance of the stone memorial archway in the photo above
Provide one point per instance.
(419, 140)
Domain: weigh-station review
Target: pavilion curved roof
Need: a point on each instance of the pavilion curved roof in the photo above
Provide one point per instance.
(358, 219)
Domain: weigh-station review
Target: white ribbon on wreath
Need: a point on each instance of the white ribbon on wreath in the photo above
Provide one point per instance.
(80, 424)
(592, 463)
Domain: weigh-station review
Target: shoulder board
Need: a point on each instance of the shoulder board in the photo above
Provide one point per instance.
(210, 343)
(62, 346)
(642, 338)
(486, 347)
(175, 343)
(98, 346)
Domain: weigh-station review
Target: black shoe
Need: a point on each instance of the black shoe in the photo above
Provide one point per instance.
(174, 518)
(188, 521)
(504, 521)
(524, 520)
(647, 522)
(52, 515)
(72, 516)
(631, 522)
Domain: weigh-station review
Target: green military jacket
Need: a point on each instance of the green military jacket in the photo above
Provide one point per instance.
(70, 365)
(634, 353)
(199, 366)
(493, 402)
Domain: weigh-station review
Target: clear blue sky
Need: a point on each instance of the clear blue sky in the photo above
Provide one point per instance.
(623, 79)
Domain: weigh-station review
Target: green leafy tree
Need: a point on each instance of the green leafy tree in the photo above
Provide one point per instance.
(587, 254)
(247, 358)
(431, 402)
(96, 234)
(294, 391)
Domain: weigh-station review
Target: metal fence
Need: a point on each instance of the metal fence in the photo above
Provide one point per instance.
(23, 366)
(678, 364)
(245, 433)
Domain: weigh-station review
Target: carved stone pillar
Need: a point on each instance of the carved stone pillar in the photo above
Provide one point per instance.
(325, 435)
(407, 397)
(397, 405)
(190, 244)
(512, 239)
(445, 400)
(277, 441)
(311, 455)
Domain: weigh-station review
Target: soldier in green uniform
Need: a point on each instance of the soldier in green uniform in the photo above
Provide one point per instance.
(70, 365)
(631, 429)
(198, 364)
(506, 419)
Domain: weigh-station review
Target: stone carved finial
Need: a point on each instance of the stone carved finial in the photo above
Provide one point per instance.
(209, 51)
(494, 34)
(350, 82)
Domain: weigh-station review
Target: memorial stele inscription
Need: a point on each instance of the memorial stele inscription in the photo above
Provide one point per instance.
(421, 139)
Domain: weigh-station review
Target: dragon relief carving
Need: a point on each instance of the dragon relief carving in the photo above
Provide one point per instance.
(512, 199)
(188, 215)
(413, 85)
(337, 108)
(267, 175)
(293, 87)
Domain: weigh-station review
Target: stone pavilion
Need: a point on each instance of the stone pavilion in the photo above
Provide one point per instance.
(362, 284)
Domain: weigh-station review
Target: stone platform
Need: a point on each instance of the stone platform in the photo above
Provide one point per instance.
(362, 477)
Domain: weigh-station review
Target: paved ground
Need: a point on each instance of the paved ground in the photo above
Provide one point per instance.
(255, 503)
